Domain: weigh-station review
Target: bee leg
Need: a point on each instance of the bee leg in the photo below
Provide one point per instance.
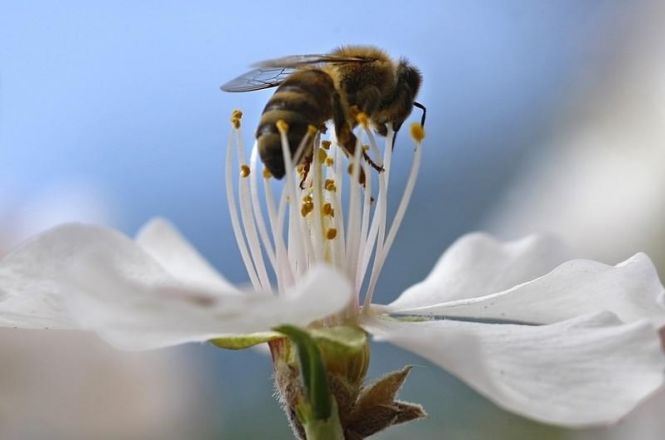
(373, 164)
(345, 137)
(307, 161)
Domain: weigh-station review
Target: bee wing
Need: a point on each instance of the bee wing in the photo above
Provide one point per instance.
(257, 79)
(271, 73)
(295, 61)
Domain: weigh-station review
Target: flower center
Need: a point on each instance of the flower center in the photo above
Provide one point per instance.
(325, 212)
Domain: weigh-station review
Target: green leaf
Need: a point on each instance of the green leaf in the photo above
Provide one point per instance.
(239, 342)
(313, 371)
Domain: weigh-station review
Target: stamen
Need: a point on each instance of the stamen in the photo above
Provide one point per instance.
(282, 126)
(417, 132)
(318, 229)
(301, 242)
(281, 218)
(317, 219)
(235, 220)
(307, 206)
(322, 155)
(328, 210)
(247, 217)
(352, 237)
(258, 212)
(336, 175)
(236, 116)
(372, 144)
(285, 271)
(377, 230)
(330, 185)
(399, 215)
(364, 224)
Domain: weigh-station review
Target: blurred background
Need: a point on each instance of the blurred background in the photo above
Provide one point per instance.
(542, 116)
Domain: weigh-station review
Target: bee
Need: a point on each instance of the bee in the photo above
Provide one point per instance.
(313, 89)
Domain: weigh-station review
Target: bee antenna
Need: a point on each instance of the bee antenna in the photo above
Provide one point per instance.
(424, 109)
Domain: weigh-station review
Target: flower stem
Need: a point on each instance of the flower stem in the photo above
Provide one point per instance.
(329, 429)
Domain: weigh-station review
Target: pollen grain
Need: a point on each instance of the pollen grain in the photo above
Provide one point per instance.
(331, 233)
(329, 185)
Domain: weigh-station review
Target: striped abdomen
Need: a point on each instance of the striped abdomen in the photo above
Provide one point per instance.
(303, 99)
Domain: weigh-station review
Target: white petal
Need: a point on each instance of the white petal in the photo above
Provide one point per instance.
(631, 290)
(135, 313)
(165, 244)
(586, 371)
(31, 285)
(477, 265)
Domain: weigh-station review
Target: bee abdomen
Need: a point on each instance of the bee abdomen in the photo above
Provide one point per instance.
(303, 99)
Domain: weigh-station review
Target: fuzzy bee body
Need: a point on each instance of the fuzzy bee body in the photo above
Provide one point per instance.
(303, 99)
(312, 89)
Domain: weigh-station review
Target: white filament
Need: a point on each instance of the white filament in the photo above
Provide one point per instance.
(235, 222)
(249, 224)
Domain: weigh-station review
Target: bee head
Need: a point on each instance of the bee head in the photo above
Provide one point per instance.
(409, 77)
(407, 86)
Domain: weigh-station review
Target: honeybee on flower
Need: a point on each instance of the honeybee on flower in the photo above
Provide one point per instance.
(574, 342)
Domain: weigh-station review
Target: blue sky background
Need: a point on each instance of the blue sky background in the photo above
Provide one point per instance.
(124, 96)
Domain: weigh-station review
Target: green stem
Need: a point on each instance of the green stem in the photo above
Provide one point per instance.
(329, 429)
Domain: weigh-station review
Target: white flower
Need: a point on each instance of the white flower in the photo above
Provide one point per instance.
(113, 394)
(585, 351)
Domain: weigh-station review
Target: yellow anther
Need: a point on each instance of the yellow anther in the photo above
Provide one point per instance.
(417, 132)
(236, 116)
(325, 145)
(306, 207)
(311, 130)
(362, 119)
(308, 198)
(365, 148)
(300, 169)
(266, 173)
(244, 170)
(331, 233)
(328, 210)
(322, 155)
(329, 185)
(330, 161)
(282, 126)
